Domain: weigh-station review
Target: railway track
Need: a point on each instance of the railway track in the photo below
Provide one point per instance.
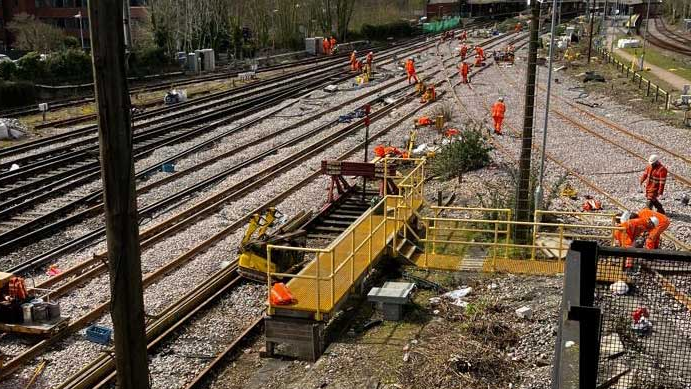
(161, 85)
(28, 230)
(669, 40)
(187, 256)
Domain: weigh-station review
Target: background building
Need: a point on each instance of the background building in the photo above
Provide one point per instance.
(60, 13)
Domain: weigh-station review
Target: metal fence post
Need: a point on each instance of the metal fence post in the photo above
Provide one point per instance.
(657, 92)
(647, 93)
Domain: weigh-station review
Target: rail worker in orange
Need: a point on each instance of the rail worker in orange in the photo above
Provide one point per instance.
(518, 28)
(646, 221)
(358, 66)
(464, 52)
(353, 60)
(326, 46)
(369, 58)
(654, 178)
(478, 61)
(464, 36)
(480, 51)
(332, 44)
(498, 111)
(410, 70)
(463, 68)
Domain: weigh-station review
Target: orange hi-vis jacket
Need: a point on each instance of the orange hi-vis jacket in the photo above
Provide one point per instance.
(633, 228)
(480, 52)
(326, 46)
(656, 177)
(333, 42)
(498, 109)
(464, 50)
(653, 240)
(369, 58)
(464, 69)
(410, 67)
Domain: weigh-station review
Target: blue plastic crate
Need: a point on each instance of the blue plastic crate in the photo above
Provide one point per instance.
(98, 334)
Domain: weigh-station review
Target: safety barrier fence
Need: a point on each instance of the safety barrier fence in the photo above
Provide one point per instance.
(491, 233)
(652, 90)
(333, 270)
(630, 332)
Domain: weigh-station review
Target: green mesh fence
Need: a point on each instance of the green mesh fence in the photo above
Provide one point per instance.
(441, 25)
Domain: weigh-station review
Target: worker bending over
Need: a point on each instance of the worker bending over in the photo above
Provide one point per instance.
(463, 69)
(353, 60)
(478, 61)
(645, 222)
(480, 51)
(429, 95)
(654, 179)
(498, 111)
(410, 70)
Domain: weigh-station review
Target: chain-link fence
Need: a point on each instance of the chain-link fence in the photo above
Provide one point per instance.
(626, 320)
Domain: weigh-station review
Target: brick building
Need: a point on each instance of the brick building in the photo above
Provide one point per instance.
(437, 9)
(60, 13)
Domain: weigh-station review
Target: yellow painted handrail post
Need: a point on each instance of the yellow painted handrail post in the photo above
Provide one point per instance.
(395, 226)
(369, 245)
(509, 216)
(434, 231)
(268, 280)
(561, 240)
(318, 316)
(534, 248)
(352, 261)
(496, 241)
(332, 278)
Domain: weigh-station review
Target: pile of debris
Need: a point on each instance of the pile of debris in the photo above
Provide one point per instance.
(12, 129)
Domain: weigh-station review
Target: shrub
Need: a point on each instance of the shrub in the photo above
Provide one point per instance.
(16, 94)
(70, 42)
(70, 64)
(469, 152)
(148, 60)
(30, 67)
(7, 70)
(391, 30)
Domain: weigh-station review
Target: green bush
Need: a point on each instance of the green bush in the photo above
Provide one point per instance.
(70, 42)
(70, 64)
(30, 67)
(148, 60)
(7, 70)
(16, 94)
(391, 30)
(469, 152)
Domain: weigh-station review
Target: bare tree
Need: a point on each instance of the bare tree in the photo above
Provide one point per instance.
(33, 35)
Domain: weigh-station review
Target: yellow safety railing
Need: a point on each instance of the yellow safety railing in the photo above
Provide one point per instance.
(335, 268)
(494, 234)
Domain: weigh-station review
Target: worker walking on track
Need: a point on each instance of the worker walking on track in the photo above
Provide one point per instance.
(654, 178)
(498, 111)
(464, 52)
(410, 70)
(369, 58)
(463, 68)
(353, 60)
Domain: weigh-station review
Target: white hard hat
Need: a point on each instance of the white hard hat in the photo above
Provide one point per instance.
(625, 216)
(653, 158)
(655, 221)
(501, 99)
(371, 52)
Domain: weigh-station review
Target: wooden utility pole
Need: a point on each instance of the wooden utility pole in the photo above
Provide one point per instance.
(523, 208)
(590, 35)
(117, 172)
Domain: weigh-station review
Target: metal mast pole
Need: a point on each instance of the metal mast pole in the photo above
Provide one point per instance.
(523, 195)
(645, 36)
(539, 189)
(590, 38)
